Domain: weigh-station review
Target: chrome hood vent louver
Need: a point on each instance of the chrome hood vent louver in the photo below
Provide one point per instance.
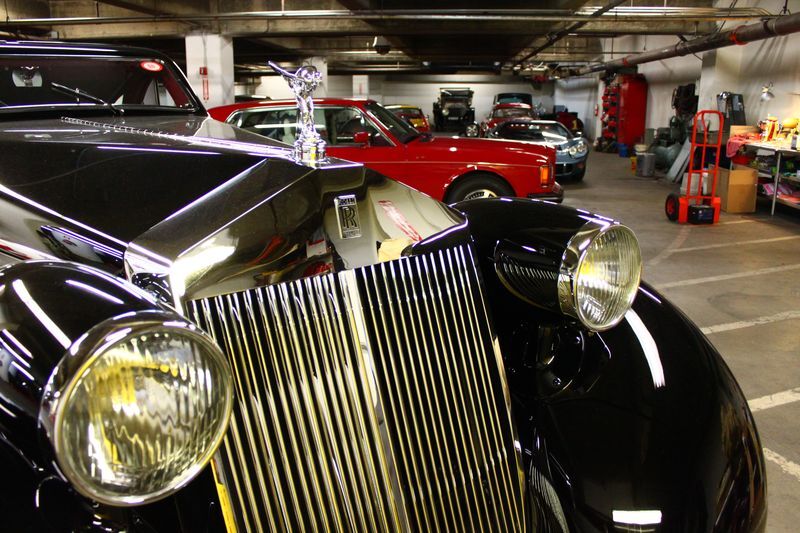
(368, 400)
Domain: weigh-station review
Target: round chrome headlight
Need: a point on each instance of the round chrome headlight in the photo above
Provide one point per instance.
(599, 275)
(137, 408)
(577, 149)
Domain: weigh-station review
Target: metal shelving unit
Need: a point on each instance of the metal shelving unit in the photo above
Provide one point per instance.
(777, 176)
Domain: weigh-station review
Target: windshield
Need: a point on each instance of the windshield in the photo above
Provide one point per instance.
(506, 112)
(32, 82)
(509, 98)
(533, 131)
(409, 112)
(399, 128)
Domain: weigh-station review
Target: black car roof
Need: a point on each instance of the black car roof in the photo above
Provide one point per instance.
(68, 48)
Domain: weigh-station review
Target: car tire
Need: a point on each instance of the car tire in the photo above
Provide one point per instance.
(579, 176)
(671, 206)
(472, 130)
(477, 186)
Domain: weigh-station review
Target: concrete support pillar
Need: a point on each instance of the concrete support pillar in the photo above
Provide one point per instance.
(209, 68)
(321, 65)
(721, 71)
(361, 86)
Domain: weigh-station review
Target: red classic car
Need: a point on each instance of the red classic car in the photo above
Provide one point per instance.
(411, 114)
(446, 168)
(502, 112)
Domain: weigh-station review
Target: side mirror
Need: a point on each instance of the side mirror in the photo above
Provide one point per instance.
(361, 137)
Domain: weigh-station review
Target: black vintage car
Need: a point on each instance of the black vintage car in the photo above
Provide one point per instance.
(200, 333)
(453, 111)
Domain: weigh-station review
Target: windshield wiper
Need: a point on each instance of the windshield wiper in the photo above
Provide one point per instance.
(83, 94)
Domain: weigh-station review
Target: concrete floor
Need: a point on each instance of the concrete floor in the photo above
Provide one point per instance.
(742, 274)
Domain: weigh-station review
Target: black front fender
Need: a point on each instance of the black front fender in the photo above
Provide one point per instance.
(664, 434)
(45, 307)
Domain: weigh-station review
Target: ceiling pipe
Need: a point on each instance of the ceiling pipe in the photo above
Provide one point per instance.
(557, 36)
(514, 15)
(766, 29)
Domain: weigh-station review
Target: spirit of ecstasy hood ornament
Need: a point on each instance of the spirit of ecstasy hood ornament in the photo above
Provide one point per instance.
(309, 147)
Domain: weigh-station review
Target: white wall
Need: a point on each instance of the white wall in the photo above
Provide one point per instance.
(579, 95)
(738, 69)
(744, 69)
(420, 90)
(662, 78)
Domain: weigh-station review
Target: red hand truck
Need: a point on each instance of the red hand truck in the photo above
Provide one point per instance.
(678, 206)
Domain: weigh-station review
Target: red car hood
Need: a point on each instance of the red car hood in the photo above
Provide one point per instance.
(480, 150)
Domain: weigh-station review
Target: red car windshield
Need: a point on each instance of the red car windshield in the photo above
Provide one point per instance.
(401, 129)
(32, 82)
(508, 112)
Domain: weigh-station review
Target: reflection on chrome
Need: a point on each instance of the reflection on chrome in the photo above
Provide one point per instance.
(641, 518)
(649, 347)
(93, 290)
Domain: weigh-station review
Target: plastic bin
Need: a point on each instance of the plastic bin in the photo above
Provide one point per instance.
(623, 150)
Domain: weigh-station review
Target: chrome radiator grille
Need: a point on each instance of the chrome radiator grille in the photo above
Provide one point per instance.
(368, 400)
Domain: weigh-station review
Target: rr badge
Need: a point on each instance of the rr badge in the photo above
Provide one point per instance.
(347, 216)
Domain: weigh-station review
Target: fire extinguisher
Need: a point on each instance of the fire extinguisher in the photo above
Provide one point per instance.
(204, 81)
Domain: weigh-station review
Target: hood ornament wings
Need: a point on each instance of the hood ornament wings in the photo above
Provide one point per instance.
(309, 148)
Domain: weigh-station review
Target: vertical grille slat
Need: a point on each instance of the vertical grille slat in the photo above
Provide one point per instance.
(453, 309)
(368, 400)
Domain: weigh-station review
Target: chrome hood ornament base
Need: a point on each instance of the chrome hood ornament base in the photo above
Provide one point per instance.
(309, 148)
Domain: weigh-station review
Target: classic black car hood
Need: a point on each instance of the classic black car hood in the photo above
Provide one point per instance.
(120, 175)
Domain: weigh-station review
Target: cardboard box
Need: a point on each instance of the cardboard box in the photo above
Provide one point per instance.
(737, 189)
(739, 130)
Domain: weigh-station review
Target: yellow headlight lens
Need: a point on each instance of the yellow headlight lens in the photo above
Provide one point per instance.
(143, 413)
(600, 274)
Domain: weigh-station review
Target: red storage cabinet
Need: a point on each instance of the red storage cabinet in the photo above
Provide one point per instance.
(624, 106)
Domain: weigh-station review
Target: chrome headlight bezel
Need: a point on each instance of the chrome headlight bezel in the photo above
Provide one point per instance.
(577, 149)
(575, 254)
(78, 362)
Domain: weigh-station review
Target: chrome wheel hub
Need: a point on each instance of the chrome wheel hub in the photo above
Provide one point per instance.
(480, 193)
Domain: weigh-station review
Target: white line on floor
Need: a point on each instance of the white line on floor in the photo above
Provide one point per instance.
(679, 239)
(775, 400)
(738, 243)
(793, 469)
(723, 277)
(786, 315)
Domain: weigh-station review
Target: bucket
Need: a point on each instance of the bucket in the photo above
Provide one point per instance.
(640, 148)
(645, 164)
(623, 150)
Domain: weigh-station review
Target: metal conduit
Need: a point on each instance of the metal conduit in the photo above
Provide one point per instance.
(557, 36)
(526, 15)
(783, 25)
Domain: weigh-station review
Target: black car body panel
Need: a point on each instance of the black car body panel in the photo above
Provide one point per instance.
(642, 418)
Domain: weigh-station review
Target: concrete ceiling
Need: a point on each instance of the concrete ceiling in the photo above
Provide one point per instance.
(417, 36)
